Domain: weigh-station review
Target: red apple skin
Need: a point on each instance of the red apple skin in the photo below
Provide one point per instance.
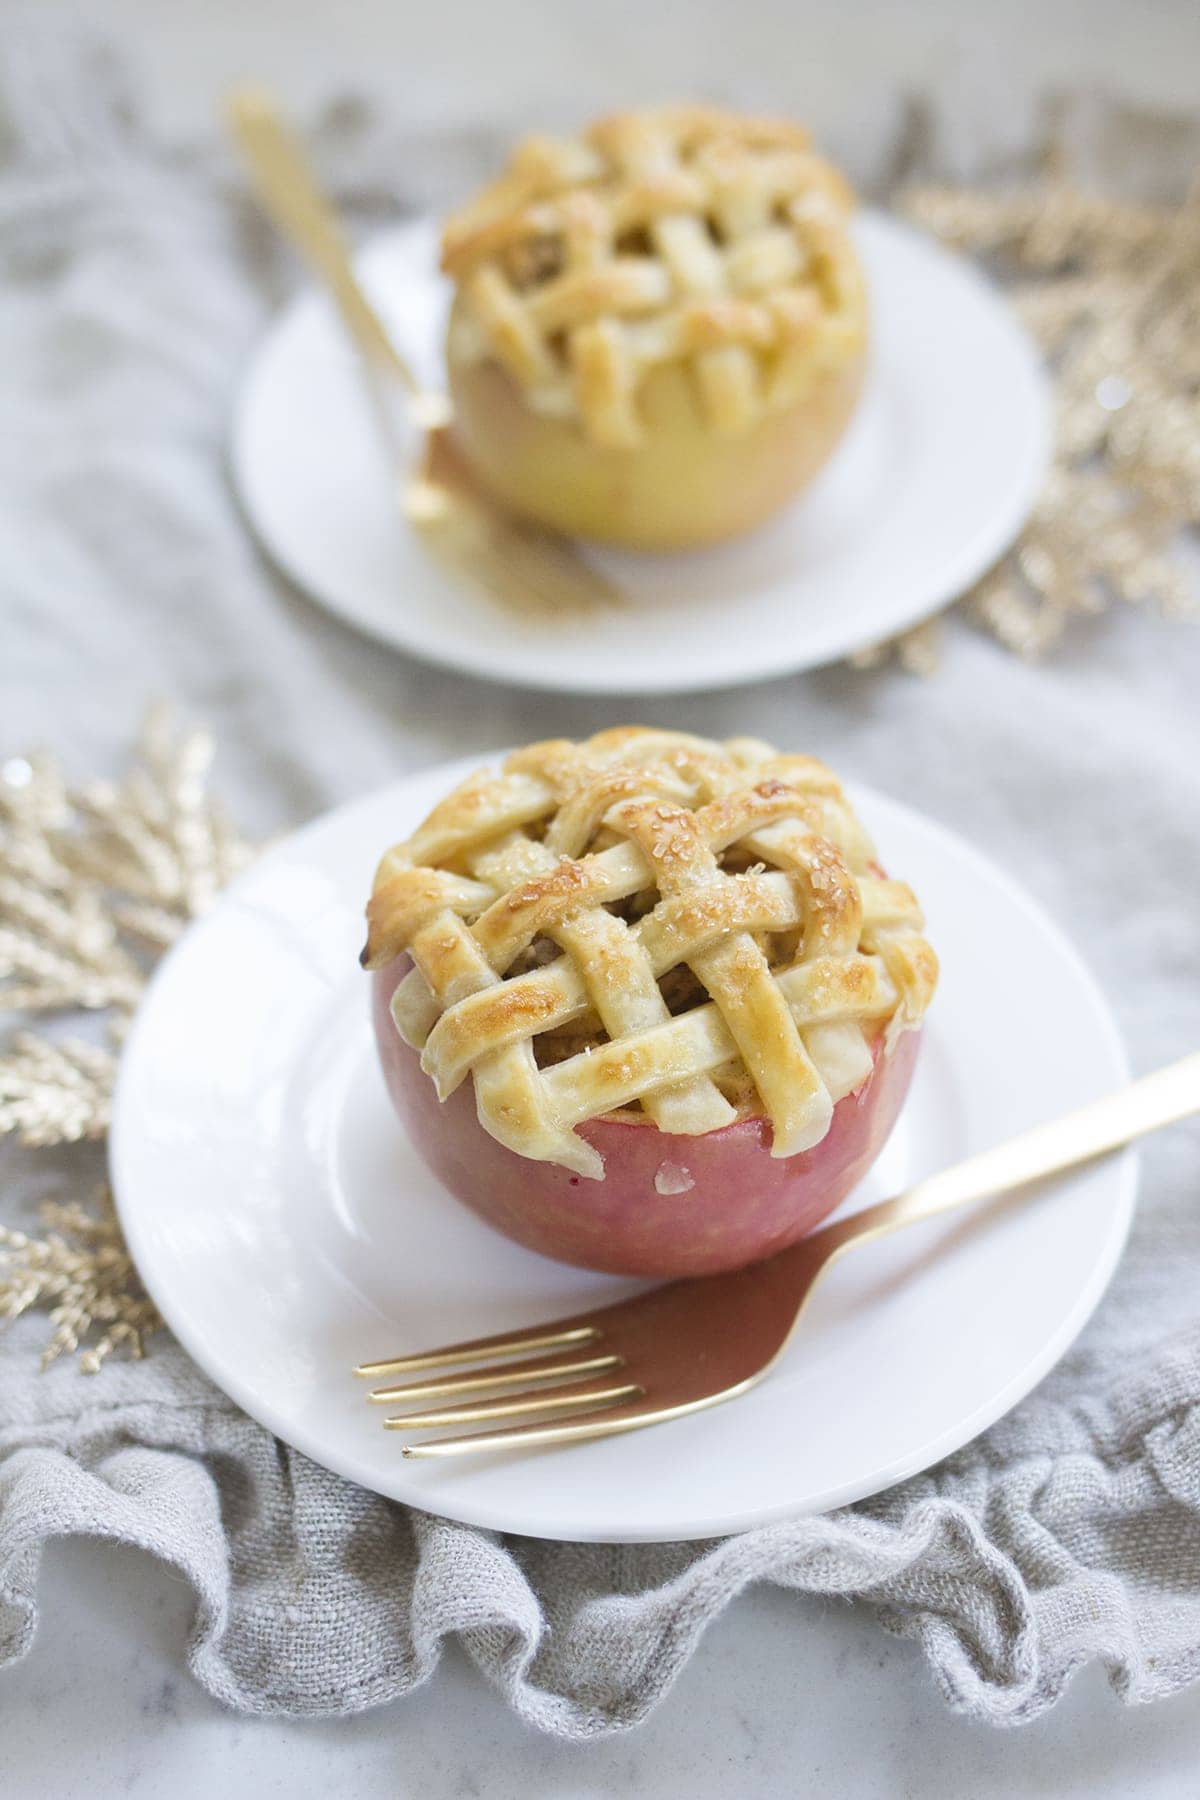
(744, 1203)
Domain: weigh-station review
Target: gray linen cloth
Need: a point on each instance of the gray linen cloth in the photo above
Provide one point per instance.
(133, 281)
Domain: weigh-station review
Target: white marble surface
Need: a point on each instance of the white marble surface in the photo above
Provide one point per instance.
(786, 1695)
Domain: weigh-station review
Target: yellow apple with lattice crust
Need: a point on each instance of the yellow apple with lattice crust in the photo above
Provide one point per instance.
(659, 328)
(647, 1003)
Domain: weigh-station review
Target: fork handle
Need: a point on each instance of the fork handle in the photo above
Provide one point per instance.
(289, 192)
(1162, 1098)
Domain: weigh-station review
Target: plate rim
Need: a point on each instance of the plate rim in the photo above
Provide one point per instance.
(1125, 1167)
(972, 560)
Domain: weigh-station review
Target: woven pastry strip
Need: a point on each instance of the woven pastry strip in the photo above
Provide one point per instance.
(685, 235)
(553, 902)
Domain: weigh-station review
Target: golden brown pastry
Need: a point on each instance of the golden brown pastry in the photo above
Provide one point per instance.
(659, 328)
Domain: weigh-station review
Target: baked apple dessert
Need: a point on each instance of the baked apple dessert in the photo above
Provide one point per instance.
(659, 328)
(647, 1003)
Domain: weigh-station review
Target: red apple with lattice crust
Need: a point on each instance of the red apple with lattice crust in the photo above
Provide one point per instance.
(659, 328)
(647, 1003)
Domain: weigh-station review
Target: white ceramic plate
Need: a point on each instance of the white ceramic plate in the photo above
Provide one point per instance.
(287, 1230)
(933, 480)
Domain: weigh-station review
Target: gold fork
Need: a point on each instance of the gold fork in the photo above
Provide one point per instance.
(693, 1344)
(523, 565)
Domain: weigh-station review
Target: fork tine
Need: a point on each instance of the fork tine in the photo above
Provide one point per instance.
(520, 1375)
(523, 1436)
(530, 568)
(572, 1400)
(477, 1349)
(611, 1423)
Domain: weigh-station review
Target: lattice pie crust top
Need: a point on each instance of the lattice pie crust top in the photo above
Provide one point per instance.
(683, 235)
(648, 923)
